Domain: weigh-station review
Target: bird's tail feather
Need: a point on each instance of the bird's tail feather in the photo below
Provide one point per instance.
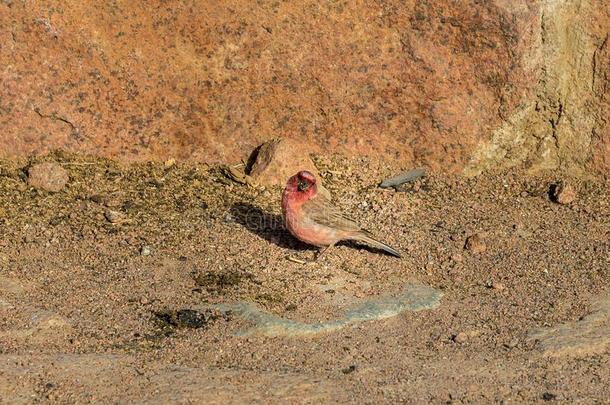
(366, 237)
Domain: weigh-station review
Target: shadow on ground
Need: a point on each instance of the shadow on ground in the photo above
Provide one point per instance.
(266, 225)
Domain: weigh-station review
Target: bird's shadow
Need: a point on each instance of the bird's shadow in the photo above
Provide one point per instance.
(271, 227)
(266, 225)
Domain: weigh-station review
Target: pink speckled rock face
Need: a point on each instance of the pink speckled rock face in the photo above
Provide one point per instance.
(420, 82)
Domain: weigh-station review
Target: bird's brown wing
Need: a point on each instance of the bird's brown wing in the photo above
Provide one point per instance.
(320, 210)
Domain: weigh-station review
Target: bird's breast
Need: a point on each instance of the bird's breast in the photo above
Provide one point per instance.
(302, 227)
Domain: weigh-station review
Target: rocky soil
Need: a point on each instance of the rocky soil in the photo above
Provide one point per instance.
(108, 287)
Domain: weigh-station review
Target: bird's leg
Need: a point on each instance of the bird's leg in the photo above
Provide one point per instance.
(322, 251)
(316, 256)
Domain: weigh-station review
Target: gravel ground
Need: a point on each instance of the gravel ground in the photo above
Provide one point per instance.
(103, 285)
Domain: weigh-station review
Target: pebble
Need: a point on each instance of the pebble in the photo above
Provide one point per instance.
(113, 216)
(404, 177)
(47, 176)
(456, 257)
(145, 250)
(497, 286)
(494, 285)
(563, 193)
(350, 369)
(548, 396)
(460, 337)
(475, 243)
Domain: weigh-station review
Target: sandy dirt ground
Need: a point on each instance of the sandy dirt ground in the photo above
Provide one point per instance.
(108, 289)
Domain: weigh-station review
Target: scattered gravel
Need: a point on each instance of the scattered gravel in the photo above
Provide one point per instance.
(541, 269)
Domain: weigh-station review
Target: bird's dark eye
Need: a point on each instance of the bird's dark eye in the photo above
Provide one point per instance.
(303, 185)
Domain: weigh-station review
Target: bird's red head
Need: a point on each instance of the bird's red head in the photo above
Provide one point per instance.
(302, 185)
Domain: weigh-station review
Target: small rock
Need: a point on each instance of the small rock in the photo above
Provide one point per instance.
(404, 177)
(563, 193)
(237, 174)
(548, 396)
(460, 337)
(113, 216)
(349, 370)
(144, 301)
(497, 286)
(456, 257)
(145, 250)
(475, 243)
(275, 161)
(48, 176)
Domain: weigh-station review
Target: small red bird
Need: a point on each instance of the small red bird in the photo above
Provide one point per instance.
(311, 218)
